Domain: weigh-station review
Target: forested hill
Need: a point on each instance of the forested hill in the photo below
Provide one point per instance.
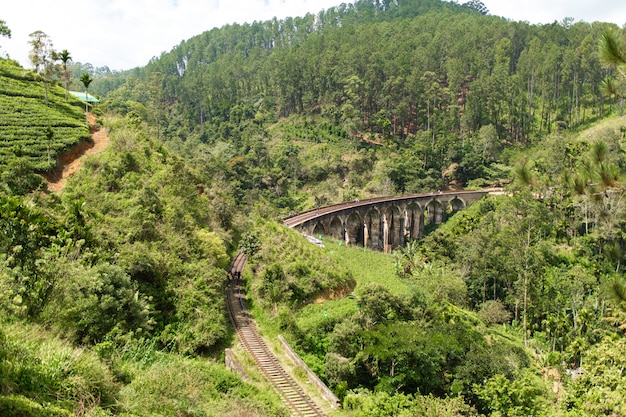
(445, 89)
(392, 68)
(111, 293)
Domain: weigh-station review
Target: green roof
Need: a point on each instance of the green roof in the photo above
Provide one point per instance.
(85, 97)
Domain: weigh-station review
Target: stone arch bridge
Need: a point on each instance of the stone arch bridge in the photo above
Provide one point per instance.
(382, 223)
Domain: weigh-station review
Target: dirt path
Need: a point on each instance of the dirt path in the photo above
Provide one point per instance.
(71, 161)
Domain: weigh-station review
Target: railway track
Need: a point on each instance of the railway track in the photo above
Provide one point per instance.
(289, 391)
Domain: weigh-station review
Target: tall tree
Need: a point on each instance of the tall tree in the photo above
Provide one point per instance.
(4, 29)
(86, 80)
(42, 56)
(66, 74)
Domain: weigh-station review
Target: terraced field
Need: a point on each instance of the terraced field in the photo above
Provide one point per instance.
(26, 121)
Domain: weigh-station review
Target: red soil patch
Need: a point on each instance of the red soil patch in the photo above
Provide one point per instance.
(71, 161)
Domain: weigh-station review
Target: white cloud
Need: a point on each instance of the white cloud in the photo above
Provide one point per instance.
(127, 33)
(542, 11)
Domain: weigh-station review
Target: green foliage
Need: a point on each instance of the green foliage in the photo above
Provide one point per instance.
(315, 108)
(288, 269)
(48, 377)
(25, 233)
(249, 244)
(4, 29)
(183, 386)
(493, 312)
(382, 404)
(601, 389)
(18, 406)
(25, 118)
(42, 376)
(146, 203)
(88, 303)
(284, 115)
(370, 267)
(526, 395)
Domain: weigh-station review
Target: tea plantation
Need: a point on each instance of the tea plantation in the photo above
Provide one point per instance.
(29, 127)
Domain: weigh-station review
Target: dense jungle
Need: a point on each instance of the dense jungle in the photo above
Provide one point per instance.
(112, 288)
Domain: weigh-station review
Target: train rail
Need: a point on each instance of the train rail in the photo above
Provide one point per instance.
(288, 390)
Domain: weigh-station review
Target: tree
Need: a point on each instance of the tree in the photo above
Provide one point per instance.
(66, 74)
(42, 56)
(477, 5)
(4, 29)
(613, 55)
(86, 80)
(49, 137)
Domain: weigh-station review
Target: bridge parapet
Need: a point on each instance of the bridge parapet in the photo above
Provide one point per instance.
(382, 223)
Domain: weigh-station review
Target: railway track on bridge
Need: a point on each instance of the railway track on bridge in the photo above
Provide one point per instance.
(288, 390)
(299, 218)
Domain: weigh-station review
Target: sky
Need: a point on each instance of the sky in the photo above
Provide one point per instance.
(123, 34)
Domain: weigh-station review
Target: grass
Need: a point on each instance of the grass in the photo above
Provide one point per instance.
(42, 375)
(367, 266)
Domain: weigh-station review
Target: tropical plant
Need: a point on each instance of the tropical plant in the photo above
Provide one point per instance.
(86, 80)
(66, 73)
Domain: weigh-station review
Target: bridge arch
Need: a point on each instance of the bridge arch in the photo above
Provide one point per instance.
(456, 204)
(336, 228)
(394, 228)
(434, 212)
(319, 229)
(354, 229)
(374, 226)
(415, 221)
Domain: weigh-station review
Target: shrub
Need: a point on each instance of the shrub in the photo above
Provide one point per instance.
(493, 312)
(19, 406)
(89, 302)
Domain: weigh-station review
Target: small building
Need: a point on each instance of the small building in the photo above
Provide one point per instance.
(84, 97)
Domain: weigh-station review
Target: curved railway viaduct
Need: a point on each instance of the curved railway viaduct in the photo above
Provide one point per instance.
(382, 223)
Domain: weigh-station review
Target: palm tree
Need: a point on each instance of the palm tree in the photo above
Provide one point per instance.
(65, 57)
(86, 80)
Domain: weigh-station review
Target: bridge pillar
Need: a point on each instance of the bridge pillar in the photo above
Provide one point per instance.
(385, 234)
(366, 235)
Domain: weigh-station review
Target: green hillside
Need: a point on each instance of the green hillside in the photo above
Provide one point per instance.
(25, 118)
(112, 292)
(369, 98)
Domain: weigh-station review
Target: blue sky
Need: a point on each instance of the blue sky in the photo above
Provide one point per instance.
(123, 34)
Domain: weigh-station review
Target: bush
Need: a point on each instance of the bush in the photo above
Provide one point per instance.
(493, 312)
(89, 302)
(19, 406)
(177, 386)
